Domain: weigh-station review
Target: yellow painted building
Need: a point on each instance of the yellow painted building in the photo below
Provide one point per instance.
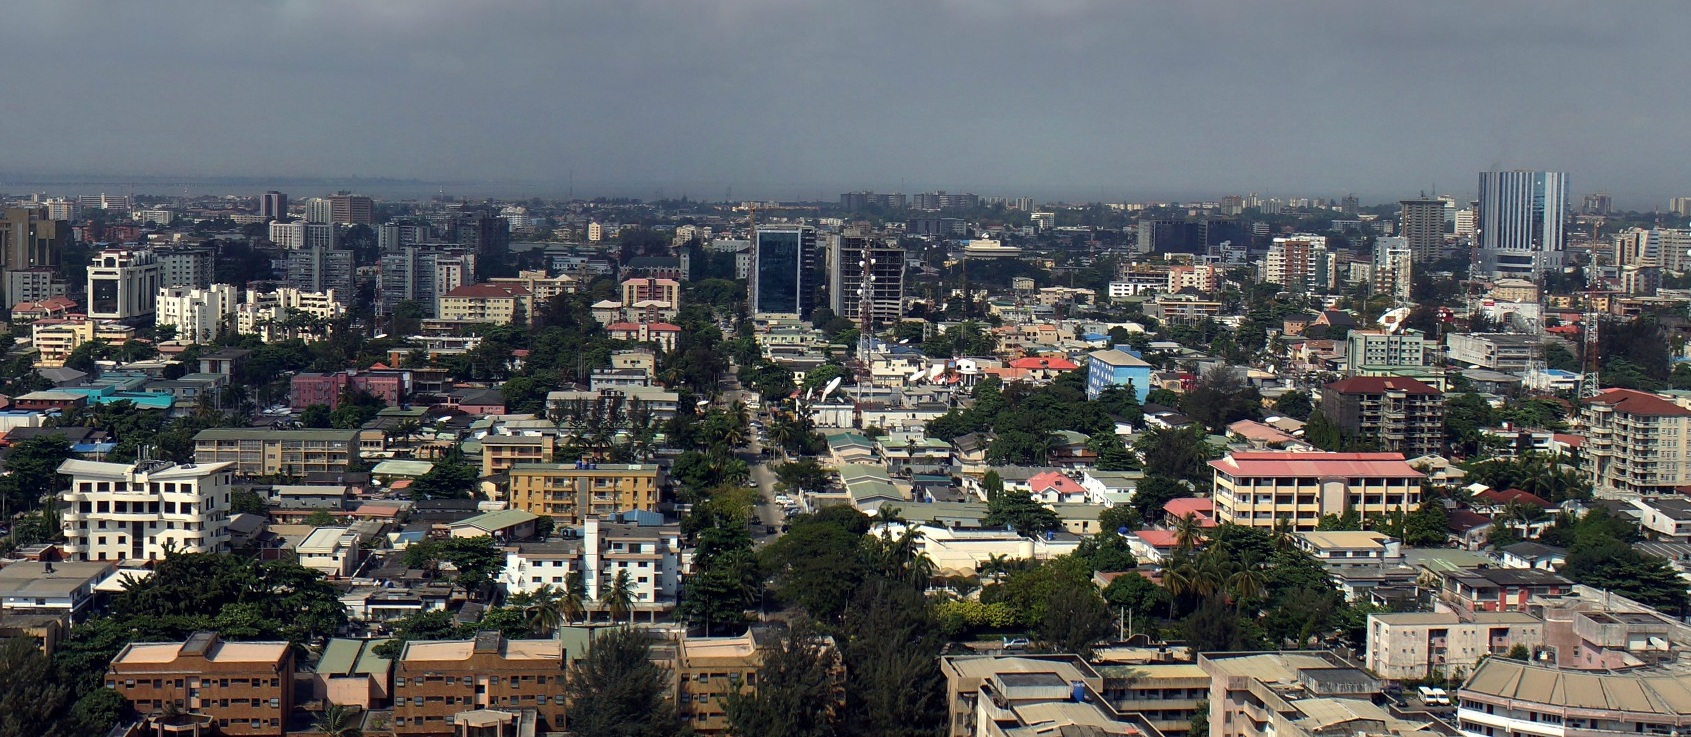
(498, 304)
(1257, 489)
(574, 491)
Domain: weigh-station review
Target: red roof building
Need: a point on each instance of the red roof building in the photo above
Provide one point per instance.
(1202, 509)
(1260, 488)
(1636, 443)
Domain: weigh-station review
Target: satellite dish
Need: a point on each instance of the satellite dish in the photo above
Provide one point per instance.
(917, 376)
(933, 373)
(832, 385)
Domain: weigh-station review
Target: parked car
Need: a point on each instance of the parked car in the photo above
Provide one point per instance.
(1015, 643)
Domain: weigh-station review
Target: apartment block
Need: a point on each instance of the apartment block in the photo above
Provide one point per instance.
(541, 288)
(650, 553)
(1636, 444)
(324, 270)
(576, 491)
(1399, 415)
(1365, 349)
(437, 682)
(1165, 694)
(258, 451)
(1417, 645)
(119, 511)
(1301, 264)
(306, 389)
(1509, 697)
(199, 315)
(497, 304)
(189, 267)
(857, 250)
(300, 234)
(704, 670)
(245, 688)
(1261, 488)
(123, 283)
(272, 315)
(996, 696)
(56, 338)
(1297, 694)
(500, 452)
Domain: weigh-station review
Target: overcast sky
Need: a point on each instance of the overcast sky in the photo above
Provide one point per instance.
(1082, 99)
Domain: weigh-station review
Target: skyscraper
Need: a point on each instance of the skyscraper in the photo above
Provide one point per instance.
(1422, 225)
(784, 278)
(1521, 222)
(848, 253)
(352, 208)
(273, 205)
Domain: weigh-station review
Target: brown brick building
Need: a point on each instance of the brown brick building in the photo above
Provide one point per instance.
(704, 670)
(245, 688)
(435, 681)
(1400, 415)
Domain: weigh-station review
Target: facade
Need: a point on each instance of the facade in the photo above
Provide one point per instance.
(436, 681)
(332, 551)
(1205, 278)
(484, 234)
(352, 209)
(273, 205)
(1297, 694)
(306, 389)
(576, 491)
(1421, 223)
(1636, 443)
(1521, 222)
(1301, 264)
(270, 314)
(849, 254)
(541, 288)
(33, 285)
(1116, 367)
(498, 304)
(1374, 348)
(300, 234)
(186, 267)
(1418, 645)
(1394, 268)
(245, 688)
(199, 315)
(258, 451)
(1262, 488)
(55, 339)
(1003, 696)
(705, 670)
(118, 511)
(500, 452)
(665, 293)
(1400, 415)
(30, 238)
(650, 553)
(665, 335)
(421, 273)
(1506, 352)
(123, 283)
(784, 280)
(324, 270)
(1509, 697)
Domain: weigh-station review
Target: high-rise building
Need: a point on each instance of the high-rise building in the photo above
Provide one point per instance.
(301, 234)
(1522, 222)
(33, 285)
(320, 211)
(849, 253)
(1301, 264)
(1394, 267)
(1637, 443)
(320, 269)
(123, 283)
(1598, 203)
(186, 266)
(119, 511)
(273, 205)
(1422, 224)
(1232, 205)
(484, 233)
(1680, 206)
(422, 273)
(63, 209)
(1396, 414)
(199, 315)
(1367, 350)
(30, 239)
(352, 209)
(1462, 222)
(391, 237)
(784, 279)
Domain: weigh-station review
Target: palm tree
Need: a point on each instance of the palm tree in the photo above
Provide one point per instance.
(1178, 580)
(996, 565)
(572, 601)
(1246, 583)
(338, 721)
(543, 610)
(620, 600)
(1188, 532)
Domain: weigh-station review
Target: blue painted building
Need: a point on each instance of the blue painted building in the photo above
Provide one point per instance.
(1116, 367)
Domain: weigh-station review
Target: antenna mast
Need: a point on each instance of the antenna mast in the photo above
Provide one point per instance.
(1589, 360)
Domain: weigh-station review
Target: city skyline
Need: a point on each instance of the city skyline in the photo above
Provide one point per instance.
(1078, 100)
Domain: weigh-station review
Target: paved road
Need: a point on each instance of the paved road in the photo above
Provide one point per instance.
(767, 511)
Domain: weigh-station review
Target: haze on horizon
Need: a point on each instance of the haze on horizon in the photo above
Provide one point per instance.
(1080, 99)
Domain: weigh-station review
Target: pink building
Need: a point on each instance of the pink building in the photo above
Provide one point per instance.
(307, 389)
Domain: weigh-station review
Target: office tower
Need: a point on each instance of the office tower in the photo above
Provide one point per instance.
(319, 269)
(318, 210)
(186, 267)
(33, 285)
(109, 203)
(273, 205)
(352, 209)
(1462, 222)
(1232, 205)
(1349, 204)
(1672, 247)
(1301, 264)
(422, 273)
(1169, 236)
(62, 209)
(391, 237)
(1521, 222)
(848, 254)
(30, 238)
(199, 315)
(1421, 223)
(118, 511)
(301, 234)
(784, 278)
(123, 283)
(1394, 267)
(1598, 203)
(485, 234)
(1680, 206)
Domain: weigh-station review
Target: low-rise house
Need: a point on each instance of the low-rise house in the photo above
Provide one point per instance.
(1419, 645)
(1110, 487)
(1665, 518)
(350, 673)
(1337, 549)
(1501, 589)
(332, 551)
(506, 524)
(968, 453)
(1052, 487)
(1532, 555)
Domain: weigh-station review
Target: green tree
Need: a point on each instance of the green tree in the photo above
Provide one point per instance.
(890, 644)
(617, 691)
(1017, 510)
(1135, 593)
(798, 691)
(31, 698)
(1323, 433)
(317, 416)
(1076, 618)
(244, 501)
(450, 478)
(1295, 404)
(1119, 518)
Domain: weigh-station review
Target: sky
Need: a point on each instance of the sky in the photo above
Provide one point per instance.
(1082, 100)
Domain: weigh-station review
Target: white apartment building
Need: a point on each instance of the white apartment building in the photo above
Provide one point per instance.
(266, 313)
(300, 234)
(123, 283)
(1394, 267)
(650, 554)
(1636, 444)
(199, 315)
(330, 550)
(1301, 263)
(1412, 645)
(119, 511)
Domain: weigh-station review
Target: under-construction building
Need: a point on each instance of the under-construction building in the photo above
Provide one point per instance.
(851, 252)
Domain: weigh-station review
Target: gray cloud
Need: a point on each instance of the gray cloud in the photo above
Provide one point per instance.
(1090, 99)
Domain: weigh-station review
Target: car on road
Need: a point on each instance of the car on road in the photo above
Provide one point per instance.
(756, 520)
(1015, 643)
(769, 529)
